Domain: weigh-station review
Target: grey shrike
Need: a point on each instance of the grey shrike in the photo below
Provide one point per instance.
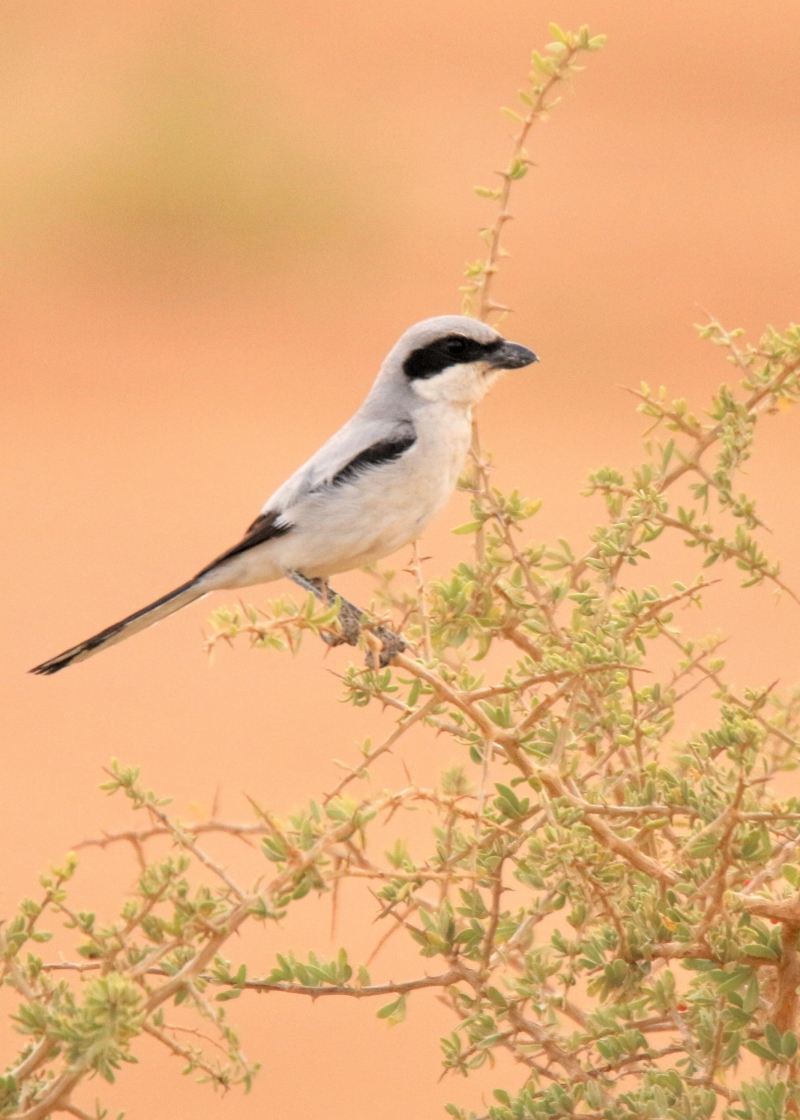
(371, 489)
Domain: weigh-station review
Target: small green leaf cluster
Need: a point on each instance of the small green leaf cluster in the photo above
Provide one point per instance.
(312, 974)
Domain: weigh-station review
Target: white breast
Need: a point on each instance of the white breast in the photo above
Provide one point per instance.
(383, 509)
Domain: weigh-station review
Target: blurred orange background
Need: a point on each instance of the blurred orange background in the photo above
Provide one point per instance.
(215, 220)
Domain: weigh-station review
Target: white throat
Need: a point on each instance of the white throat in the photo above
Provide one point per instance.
(462, 386)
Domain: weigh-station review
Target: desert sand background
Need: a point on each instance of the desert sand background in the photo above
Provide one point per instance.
(215, 219)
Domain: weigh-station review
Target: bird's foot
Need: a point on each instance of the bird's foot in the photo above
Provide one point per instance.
(391, 645)
(352, 622)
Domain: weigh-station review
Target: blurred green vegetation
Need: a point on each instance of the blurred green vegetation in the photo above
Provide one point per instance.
(184, 159)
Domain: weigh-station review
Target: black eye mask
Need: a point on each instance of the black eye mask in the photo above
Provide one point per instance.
(452, 350)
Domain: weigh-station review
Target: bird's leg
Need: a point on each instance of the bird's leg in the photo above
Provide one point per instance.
(351, 621)
(349, 614)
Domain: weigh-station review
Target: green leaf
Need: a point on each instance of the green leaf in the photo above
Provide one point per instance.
(395, 1012)
(751, 998)
(734, 980)
(760, 1051)
(764, 951)
(773, 1038)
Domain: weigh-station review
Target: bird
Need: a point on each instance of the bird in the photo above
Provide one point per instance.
(370, 490)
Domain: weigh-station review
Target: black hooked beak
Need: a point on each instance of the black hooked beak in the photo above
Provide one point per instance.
(510, 355)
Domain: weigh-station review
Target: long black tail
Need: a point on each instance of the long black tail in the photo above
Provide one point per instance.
(162, 607)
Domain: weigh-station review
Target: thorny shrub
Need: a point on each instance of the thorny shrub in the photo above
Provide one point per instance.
(612, 902)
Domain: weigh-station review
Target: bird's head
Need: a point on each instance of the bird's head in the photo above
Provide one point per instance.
(454, 359)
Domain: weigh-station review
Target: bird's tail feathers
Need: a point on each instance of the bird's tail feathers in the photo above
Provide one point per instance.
(143, 618)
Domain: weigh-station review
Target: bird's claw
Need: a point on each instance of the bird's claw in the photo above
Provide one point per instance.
(391, 645)
(351, 623)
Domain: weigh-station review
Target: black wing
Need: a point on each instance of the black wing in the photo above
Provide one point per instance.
(264, 528)
(380, 453)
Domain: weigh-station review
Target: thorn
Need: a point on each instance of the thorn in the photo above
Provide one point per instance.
(706, 312)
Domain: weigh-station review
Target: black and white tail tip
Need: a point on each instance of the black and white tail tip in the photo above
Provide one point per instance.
(140, 620)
